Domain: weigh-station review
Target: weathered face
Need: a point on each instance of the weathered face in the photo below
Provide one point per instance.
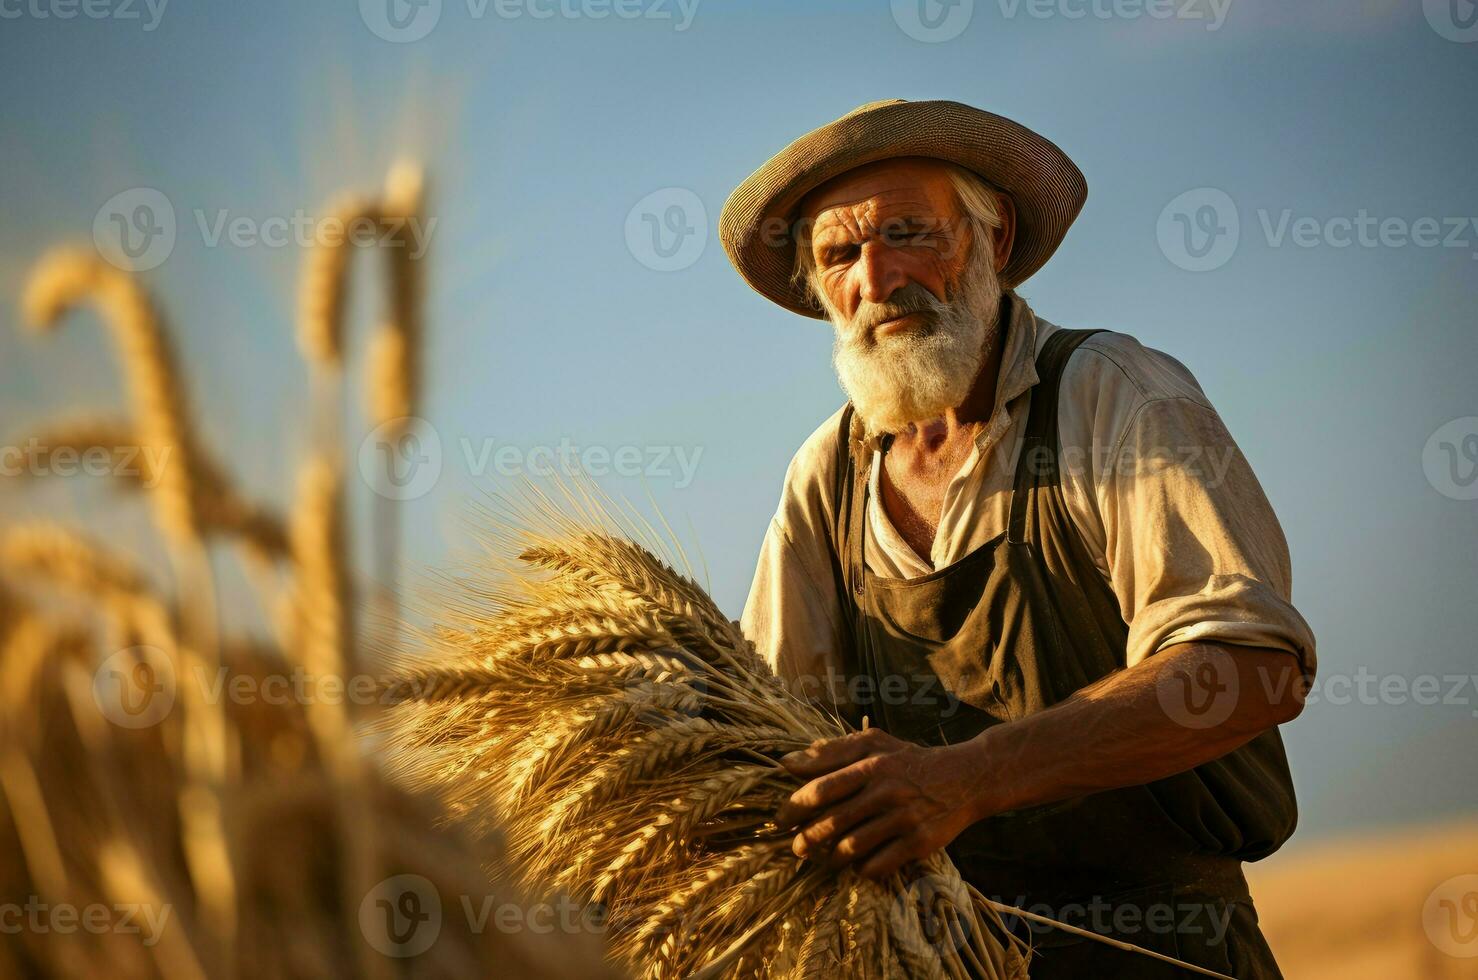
(882, 227)
(912, 293)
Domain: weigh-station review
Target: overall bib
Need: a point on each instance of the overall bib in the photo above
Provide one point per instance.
(1016, 626)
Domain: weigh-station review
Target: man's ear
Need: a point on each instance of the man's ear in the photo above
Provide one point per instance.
(1005, 235)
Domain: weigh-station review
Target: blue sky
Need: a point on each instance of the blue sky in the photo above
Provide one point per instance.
(1335, 365)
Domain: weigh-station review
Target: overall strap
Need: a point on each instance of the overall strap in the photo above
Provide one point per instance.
(846, 523)
(1037, 462)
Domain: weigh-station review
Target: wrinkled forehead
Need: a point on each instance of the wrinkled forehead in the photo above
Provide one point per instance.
(904, 187)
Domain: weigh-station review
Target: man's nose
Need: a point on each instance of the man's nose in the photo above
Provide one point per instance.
(880, 269)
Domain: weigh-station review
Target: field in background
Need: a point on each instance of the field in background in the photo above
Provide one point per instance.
(1352, 908)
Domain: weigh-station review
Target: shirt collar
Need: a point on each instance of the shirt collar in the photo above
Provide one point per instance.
(1018, 365)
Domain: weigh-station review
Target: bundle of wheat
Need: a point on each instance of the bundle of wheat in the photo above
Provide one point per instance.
(626, 737)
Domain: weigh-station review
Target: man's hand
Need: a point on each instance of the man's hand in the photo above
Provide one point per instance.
(876, 802)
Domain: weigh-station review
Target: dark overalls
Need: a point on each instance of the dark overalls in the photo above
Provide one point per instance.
(1014, 627)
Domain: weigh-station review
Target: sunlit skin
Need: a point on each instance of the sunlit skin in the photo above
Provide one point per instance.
(874, 801)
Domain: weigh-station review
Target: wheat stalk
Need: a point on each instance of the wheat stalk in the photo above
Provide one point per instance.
(323, 296)
(67, 277)
(394, 350)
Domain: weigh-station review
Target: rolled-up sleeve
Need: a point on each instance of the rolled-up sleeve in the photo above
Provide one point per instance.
(793, 614)
(1193, 548)
(789, 616)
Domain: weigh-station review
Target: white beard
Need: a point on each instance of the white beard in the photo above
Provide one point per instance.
(895, 381)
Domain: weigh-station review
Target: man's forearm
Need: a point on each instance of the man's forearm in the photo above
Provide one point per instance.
(1133, 728)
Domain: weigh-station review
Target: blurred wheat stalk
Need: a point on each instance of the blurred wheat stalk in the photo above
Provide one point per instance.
(626, 736)
(257, 828)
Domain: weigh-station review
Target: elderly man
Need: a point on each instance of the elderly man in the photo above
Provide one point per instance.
(1029, 561)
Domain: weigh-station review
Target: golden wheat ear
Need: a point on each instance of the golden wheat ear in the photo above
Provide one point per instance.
(593, 699)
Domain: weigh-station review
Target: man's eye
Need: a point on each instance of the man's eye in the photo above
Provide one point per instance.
(910, 236)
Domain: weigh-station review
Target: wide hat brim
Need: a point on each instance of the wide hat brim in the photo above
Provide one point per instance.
(1047, 189)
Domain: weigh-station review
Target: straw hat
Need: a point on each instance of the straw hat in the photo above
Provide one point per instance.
(1046, 187)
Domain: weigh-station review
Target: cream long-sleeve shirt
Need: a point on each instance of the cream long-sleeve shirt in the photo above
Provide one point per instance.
(1175, 519)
